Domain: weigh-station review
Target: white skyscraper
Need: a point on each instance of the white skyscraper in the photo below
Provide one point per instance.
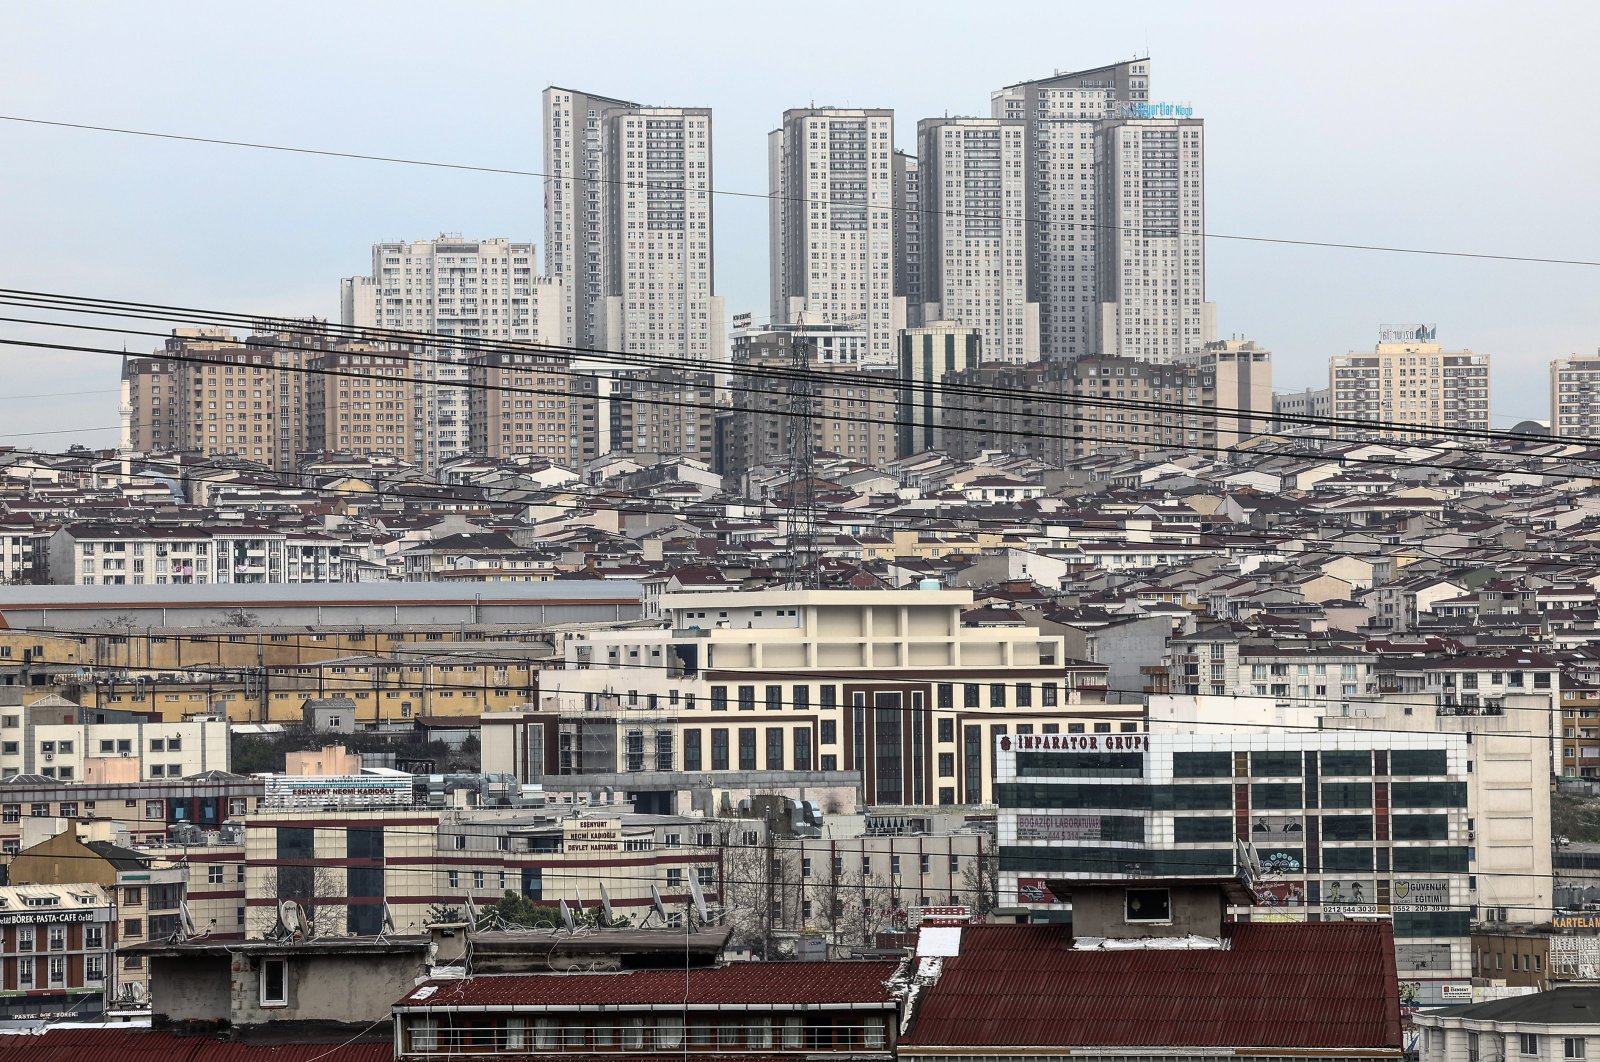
(1079, 126)
(466, 289)
(628, 225)
(832, 183)
(573, 204)
(1151, 254)
(975, 240)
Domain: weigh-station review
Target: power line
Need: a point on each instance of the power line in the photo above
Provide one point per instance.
(778, 411)
(772, 196)
(152, 311)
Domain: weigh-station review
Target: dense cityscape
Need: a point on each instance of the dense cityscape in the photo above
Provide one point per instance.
(968, 655)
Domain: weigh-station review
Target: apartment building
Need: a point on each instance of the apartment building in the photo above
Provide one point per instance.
(629, 224)
(56, 951)
(1411, 381)
(150, 396)
(1344, 824)
(656, 234)
(147, 899)
(1050, 410)
(142, 811)
(1150, 251)
(974, 239)
(831, 177)
(366, 405)
(17, 542)
(466, 289)
(482, 289)
(813, 687)
(1575, 396)
(54, 738)
(1063, 113)
(520, 403)
(658, 412)
(1312, 402)
(928, 354)
(1243, 372)
(854, 412)
(135, 554)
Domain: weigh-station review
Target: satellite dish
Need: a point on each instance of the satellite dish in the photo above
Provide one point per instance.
(293, 919)
(472, 913)
(566, 916)
(579, 894)
(605, 904)
(185, 919)
(699, 899)
(388, 918)
(656, 905)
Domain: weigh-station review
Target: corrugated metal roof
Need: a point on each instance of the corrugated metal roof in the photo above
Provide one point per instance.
(1279, 985)
(189, 596)
(748, 982)
(143, 1045)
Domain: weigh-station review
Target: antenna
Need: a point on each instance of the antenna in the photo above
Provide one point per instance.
(605, 903)
(699, 899)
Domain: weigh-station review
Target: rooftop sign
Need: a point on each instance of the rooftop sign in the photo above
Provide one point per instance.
(1075, 742)
(1420, 333)
(1157, 110)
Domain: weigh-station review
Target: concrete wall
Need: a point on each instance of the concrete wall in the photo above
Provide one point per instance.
(1100, 912)
(345, 988)
(189, 988)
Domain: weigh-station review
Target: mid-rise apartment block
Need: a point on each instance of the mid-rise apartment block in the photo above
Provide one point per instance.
(131, 554)
(1409, 386)
(628, 225)
(486, 289)
(1293, 411)
(520, 403)
(831, 176)
(975, 243)
(1244, 386)
(853, 413)
(1575, 396)
(464, 290)
(361, 400)
(57, 951)
(1061, 410)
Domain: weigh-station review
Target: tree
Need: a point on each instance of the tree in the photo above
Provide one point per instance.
(240, 617)
(320, 891)
(515, 910)
(440, 913)
(980, 882)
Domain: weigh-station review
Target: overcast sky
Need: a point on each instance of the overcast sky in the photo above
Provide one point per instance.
(1455, 126)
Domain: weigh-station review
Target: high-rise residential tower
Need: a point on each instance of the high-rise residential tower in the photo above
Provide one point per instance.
(831, 176)
(1086, 135)
(1150, 248)
(628, 225)
(573, 205)
(908, 229)
(656, 266)
(975, 239)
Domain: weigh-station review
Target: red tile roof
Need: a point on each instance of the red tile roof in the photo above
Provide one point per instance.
(1279, 985)
(142, 1045)
(746, 982)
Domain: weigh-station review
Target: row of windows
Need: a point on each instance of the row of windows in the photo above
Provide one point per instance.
(1333, 763)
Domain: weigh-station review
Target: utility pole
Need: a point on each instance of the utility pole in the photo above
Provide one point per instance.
(771, 876)
(802, 468)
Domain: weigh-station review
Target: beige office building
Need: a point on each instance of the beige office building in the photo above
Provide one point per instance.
(1409, 385)
(1243, 378)
(882, 689)
(831, 176)
(1575, 397)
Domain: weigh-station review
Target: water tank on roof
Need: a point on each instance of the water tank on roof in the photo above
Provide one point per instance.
(928, 584)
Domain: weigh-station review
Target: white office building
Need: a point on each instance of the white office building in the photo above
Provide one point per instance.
(831, 175)
(975, 239)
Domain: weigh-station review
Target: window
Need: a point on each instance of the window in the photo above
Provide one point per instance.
(1149, 905)
(214, 875)
(274, 983)
(1527, 1044)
